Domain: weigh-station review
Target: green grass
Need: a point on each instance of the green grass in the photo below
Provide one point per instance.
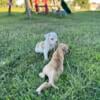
(20, 65)
(14, 9)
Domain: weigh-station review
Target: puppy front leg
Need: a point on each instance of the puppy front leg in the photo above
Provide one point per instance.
(46, 55)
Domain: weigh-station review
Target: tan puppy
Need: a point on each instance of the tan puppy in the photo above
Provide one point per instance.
(54, 68)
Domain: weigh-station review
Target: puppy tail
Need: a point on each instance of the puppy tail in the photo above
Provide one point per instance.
(36, 49)
(42, 87)
(42, 75)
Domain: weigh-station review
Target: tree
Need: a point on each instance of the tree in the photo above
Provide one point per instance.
(3, 2)
(31, 3)
(28, 11)
(9, 8)
(82, 3)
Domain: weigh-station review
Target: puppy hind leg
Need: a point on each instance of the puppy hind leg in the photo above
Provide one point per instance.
(37, 49)
(54, 86)
(42, 87)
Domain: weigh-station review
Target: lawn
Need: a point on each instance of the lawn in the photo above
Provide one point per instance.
(14, 9)
(20, 65)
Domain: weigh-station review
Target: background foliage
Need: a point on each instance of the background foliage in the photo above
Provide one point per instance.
(82, 3)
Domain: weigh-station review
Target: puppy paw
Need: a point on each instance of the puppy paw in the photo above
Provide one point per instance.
(55, 86)
(38, 92)
(42, 75)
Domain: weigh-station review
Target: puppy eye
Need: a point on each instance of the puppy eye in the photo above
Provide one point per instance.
(52, 38)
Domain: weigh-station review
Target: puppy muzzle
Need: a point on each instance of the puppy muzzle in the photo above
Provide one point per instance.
(67, 51)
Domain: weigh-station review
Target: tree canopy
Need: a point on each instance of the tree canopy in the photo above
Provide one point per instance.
(82, 3)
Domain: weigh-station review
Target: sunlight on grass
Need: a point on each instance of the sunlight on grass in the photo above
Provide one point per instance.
(20, 10)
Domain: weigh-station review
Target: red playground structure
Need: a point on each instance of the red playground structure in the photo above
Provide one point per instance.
(45, 2)
(36, 5)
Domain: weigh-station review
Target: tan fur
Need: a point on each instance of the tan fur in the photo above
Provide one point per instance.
(54, 68)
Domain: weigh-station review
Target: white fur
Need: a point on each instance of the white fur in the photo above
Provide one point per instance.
(48, 44)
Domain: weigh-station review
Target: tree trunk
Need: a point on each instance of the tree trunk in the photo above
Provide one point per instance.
(31, 3)
(28, 11)
(9, 8)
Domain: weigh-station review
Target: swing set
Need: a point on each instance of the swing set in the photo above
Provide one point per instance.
(51, 5)
(47, 5)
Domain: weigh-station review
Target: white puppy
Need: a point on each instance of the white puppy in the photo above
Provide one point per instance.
(48, 44)
(54, 68)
